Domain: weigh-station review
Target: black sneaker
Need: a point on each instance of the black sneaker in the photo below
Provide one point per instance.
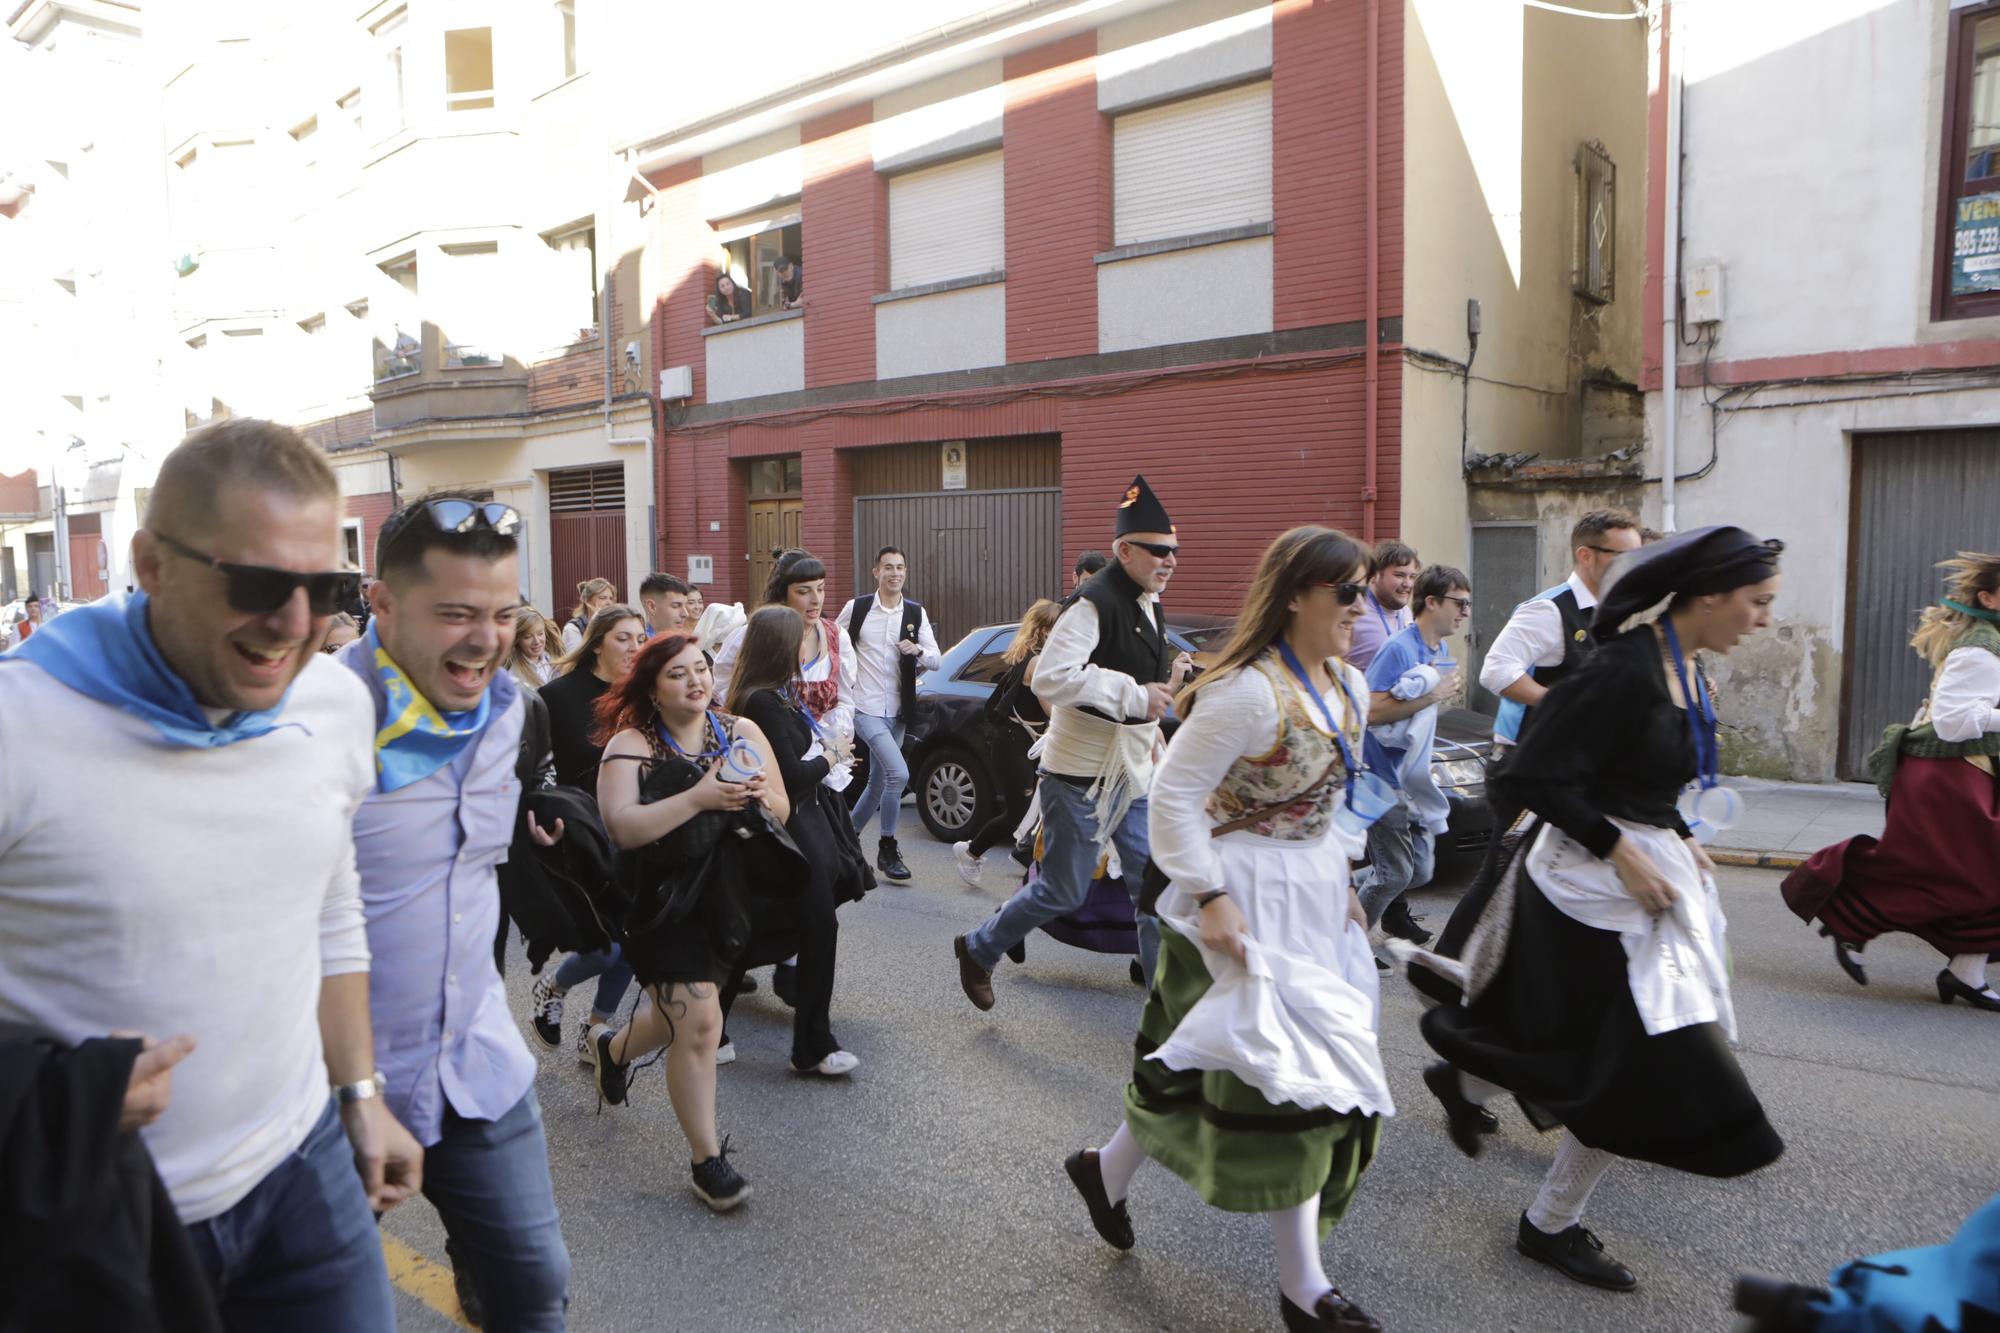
(609, 1073)
(889, 861)
(785, 983)
(1397, 921)
(545, 1011)
(1577, 1253)
(720, 1185)
(461, 1285)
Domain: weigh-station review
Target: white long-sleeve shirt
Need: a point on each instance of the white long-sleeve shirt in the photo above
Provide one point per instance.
(1533, 637)
(171, 890)
(1066, 680)
(1965, 698)
(838, 723)
(878, 689)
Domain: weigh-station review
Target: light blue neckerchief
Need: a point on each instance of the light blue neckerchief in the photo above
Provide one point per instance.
(105, 651)
(415, 739)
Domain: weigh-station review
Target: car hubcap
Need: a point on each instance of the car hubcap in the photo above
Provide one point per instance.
(949, 794)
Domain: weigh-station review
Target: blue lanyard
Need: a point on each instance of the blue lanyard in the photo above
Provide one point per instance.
(804, 712)
(715, 728)
(1388, 627)
(1298, 669)
(1700, 712)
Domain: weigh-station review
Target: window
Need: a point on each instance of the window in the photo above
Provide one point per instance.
(566, 17)
(986, 666)
(751, 248)
(947, 222)
(350, 544)
(1968, 236)
(402, 352)
(393, 57)
(574, 275)
(777, 476)
(468, 69)
(1197, 165)
(1596, 223)
(471, 288)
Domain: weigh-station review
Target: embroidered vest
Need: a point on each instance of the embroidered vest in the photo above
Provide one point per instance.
(1289, 768)
(820, 696)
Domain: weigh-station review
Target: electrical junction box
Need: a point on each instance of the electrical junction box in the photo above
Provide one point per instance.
(677, 382)
(701, 569)
(1702, 293)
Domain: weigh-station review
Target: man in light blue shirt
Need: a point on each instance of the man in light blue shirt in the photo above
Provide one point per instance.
(428, 842)
(1407, 681)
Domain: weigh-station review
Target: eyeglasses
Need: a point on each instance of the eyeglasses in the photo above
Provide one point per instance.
(1608, 550)
(1347, 594)
(1158, 549)
(1462, 603)
(258, 590)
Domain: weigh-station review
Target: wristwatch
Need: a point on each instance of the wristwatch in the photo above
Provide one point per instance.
(372, 1086)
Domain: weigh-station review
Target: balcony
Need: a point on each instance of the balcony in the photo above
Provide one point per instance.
(431, 381)
(759, 356)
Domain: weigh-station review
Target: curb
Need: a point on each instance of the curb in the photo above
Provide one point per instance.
(1758, 860)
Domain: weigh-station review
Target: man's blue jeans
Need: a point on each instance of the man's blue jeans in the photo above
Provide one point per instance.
(300, 1251)
(489, 1181)
(1069, 858)
(613, 973)
(887, 773)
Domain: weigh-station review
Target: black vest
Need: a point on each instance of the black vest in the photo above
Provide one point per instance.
(1128, 642)
(1578, 645)
(906, 668)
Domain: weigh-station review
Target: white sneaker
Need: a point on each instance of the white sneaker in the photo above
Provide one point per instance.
(837, 1064)
(725, 1054)
(969, 866)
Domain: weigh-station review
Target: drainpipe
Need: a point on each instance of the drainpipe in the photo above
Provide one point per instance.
(1670, 277)
(1371, 331)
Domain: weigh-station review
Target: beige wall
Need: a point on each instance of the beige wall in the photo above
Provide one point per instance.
(1497, 99)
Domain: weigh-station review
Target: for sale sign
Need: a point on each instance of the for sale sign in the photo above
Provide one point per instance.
(1975, 245)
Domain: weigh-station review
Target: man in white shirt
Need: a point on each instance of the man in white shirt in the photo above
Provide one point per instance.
(665, 599)
(1392, 576)
(893, 645)
(179, 772)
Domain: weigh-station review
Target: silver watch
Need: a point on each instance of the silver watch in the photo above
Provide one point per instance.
(372, 1086)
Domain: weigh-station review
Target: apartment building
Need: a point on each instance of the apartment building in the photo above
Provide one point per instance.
(1046, 246)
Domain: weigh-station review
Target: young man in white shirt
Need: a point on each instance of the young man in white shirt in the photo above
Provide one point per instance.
(665, 599)
(179, 772)
(1392, 576)
(893, 645)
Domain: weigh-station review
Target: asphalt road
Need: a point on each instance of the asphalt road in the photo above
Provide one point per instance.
(926, 1191)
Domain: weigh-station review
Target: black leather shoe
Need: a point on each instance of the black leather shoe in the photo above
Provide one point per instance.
(1466, 1120)
(1334, 1311)
(1397, 921)
(1109, 1218)
(1848, 956)
(1137, 972)
(461, 1285)
(1951, 988)
(1577, 1253)
(889, 861)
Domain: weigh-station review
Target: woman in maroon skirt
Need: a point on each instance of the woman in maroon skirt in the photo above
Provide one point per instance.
(1935, 872)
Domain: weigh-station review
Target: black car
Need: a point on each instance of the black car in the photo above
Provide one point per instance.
(954, 791)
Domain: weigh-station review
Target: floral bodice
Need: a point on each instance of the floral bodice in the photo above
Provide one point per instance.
(1303, 752)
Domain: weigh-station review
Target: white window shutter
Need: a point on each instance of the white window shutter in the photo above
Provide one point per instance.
(1198, 165)
(947, 222)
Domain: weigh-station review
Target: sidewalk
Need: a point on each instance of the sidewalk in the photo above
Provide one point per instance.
(1785, 822)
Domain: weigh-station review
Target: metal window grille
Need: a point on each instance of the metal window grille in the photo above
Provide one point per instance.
(1596, 223)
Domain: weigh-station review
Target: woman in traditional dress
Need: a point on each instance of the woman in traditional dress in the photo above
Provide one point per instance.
(1595, 985)
(1258, 1080)
(1935, 871)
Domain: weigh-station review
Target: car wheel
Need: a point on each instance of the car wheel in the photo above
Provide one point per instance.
(954, 795)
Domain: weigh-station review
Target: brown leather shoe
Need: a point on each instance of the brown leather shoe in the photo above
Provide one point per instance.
(976, 981)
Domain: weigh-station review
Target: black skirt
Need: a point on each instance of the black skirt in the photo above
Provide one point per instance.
(1557, 1027)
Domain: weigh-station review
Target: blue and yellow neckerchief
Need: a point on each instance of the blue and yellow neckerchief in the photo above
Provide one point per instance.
(415, 739)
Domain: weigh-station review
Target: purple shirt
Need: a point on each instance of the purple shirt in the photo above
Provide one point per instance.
(429, 854)
(1376, 627)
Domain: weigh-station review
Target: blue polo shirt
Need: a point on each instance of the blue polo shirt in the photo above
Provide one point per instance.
(1397, 656)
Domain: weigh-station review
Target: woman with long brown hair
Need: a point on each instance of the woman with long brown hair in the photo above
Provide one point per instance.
(592, 596)
(677, 749)
(532, 656)
(765, 690)
(1015, 720)
(1257, 1078)
(1935, 871)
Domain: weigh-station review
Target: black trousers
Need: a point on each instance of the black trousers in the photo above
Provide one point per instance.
(1014, 780)
(806, 925)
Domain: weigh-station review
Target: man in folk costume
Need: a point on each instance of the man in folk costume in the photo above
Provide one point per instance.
(1107, 677)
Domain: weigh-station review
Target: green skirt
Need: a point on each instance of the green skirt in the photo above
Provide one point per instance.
(1240, 1152)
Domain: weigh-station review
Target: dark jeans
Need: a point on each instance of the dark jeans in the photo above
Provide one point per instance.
(613, 975)
(300, 1251)
(1014, 780)
(489, 1181)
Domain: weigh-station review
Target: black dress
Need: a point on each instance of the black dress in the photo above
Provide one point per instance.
(1556, 1025)
(572, 702)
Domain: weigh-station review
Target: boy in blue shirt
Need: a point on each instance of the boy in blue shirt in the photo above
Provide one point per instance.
(1411, 675)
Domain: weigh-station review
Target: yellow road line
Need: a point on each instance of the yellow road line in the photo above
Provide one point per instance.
(429, 1282)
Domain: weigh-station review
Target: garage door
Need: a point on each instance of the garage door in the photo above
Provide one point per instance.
(1919, 498)
(586, 532)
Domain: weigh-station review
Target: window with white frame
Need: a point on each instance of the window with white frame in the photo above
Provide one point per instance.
(947, 222)
(390, 33)
(468, 69)
(573, 277)
(566, 32)
(1193, 166)
(468, 304)
(751, 250)
(399, 347)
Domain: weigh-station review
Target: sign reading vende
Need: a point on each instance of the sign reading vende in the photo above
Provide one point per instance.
(1975, 245)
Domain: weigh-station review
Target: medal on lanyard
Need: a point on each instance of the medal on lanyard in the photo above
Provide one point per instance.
(1369, 796)
(1706, 806)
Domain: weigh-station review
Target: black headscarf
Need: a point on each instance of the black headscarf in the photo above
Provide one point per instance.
(1695, 563)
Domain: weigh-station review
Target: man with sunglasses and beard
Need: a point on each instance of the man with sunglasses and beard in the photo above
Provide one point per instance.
(429, 840)
(179, 771)
(1107, 676)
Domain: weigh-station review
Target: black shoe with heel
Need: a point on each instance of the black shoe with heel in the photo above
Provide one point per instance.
(1848, 956)
(1466, 1120)
(1951, 988)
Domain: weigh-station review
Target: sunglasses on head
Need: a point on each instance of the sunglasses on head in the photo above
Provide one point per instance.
(1161, 550)
(455, 517)
(1347, 594)
(258, 590)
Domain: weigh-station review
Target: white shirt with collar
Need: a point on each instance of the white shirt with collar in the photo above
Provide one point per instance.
(878, 690)
(1533, 638)
(1066, 680)
(1965, 700)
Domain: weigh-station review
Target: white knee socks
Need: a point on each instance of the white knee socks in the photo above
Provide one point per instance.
(1970, 968)
(1566, 1188)
(1295, 1238)
(1118, 1161)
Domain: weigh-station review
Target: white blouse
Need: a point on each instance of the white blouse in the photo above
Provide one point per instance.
(1234, 717)
(1965, 699)
(840, 722)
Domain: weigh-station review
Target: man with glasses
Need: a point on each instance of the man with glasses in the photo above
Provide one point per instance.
(179, 772)
(429, 839)
(1107, 676)
(1392, 577)
(1408, 681)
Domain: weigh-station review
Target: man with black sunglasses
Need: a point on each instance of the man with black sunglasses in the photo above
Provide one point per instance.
(1107, 676)
(182, 863)
(429, 841)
